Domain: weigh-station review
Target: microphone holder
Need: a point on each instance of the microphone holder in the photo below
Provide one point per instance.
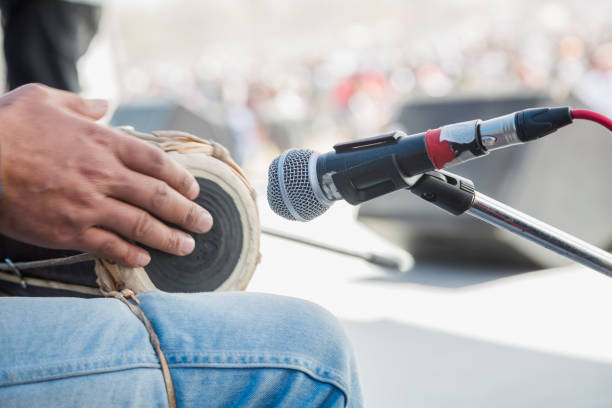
(457, 195)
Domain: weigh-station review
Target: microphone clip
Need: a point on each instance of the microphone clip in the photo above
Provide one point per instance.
(452, 193)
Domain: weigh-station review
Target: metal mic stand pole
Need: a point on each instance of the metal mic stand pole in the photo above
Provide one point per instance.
(386, 261)
(456, 195)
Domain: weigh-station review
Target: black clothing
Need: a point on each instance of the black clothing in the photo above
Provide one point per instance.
(43, 40)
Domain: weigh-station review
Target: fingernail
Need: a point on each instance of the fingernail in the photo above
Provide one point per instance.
(194, 190)
(144, 258)
(187, 245)
(205, 222)
(99, 105)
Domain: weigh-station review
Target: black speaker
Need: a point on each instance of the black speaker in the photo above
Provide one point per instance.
(150, 115)
(560, 179)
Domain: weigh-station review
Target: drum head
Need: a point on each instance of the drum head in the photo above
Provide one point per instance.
(216, 254)
(226, 256)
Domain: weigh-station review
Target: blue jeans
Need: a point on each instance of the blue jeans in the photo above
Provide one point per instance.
(232, 349)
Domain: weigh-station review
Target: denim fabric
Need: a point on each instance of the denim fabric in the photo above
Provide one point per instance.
(224, 350)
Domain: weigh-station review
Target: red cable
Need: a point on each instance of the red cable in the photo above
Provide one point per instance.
(593, 117)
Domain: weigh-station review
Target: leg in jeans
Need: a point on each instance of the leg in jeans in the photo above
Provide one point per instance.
(224, 350)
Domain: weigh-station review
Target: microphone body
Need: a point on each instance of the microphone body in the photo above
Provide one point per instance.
(359, 170)
(303, 184)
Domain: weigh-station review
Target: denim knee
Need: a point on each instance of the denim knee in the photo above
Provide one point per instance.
(236, 331)
(322, 337)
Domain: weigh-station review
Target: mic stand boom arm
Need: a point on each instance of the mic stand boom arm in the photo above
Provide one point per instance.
(457, 195)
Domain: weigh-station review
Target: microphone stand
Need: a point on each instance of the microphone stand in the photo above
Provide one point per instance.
(386, 261)
(457, 195)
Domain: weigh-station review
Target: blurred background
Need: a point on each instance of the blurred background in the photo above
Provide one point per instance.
(281, 74)
(479, 318)
(263, 76)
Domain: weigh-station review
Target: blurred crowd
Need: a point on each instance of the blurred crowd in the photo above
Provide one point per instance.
(349, 81)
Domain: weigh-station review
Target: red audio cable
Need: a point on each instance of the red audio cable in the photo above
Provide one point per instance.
(593, 117)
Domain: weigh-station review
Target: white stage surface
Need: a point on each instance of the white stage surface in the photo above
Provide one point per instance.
(450, 336)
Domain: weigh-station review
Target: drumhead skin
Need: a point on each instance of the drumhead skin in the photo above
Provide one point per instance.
(226, 256)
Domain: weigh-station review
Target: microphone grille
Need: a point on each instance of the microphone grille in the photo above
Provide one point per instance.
(275, 199)
(290, 190)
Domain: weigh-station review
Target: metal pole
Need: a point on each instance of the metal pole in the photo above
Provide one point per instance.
(500, 215)
(387, 261)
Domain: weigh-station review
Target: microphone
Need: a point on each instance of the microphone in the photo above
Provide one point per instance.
(303, 184)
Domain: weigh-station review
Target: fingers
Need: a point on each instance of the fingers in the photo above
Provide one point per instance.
(138, 225)
(152, 161)
(158, 198)
(91, 108)
(108, 245)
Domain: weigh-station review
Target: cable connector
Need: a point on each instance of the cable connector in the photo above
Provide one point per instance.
(534, 123)
(522, 126)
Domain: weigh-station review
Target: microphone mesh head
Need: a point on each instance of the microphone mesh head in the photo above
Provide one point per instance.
(275, 200)
(290, 192)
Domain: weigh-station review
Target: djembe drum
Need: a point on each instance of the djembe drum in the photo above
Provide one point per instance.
(224, 258)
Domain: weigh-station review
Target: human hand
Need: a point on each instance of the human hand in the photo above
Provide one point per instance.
(70, 183)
